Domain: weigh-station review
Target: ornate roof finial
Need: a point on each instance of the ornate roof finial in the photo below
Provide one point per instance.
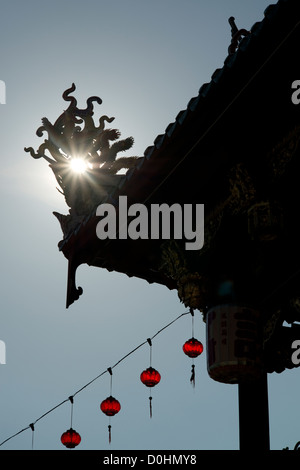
(236, 35)
(75, 138)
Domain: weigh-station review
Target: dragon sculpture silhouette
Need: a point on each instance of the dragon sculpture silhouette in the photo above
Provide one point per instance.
(75, 134)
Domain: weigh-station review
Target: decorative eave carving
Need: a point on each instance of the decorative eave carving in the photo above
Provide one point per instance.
(283, 153)
(192, 286)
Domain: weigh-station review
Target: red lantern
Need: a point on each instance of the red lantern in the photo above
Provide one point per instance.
(110, 406)
(192, 348)
(150, 377)
(70, 438)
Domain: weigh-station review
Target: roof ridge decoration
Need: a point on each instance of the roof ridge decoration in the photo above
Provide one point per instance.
(236, 35)
(75, 135)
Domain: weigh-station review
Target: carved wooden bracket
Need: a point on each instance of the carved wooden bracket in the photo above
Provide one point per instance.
(191, 285)
(282, 154)
(242, 189)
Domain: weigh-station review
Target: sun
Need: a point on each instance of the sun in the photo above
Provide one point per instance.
(78, 165)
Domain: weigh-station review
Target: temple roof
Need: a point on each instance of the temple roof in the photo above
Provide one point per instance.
(235, 106)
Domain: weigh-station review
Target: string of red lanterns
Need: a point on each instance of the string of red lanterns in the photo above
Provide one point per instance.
(150, 377)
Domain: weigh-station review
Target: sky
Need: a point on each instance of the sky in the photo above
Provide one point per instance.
(146, 60)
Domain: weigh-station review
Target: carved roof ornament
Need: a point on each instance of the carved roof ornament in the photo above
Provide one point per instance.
(193, 287)
(236, 35)
(75, 138)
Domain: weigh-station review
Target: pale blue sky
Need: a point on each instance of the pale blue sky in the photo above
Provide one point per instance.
(145, 60)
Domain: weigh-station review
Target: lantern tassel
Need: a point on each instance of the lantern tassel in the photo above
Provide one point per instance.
(150, 403)
(109, 433)
(192, 379)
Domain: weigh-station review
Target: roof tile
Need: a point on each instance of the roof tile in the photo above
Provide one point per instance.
(148, 152)
(159, 140)
(193, 103)
(171, 128)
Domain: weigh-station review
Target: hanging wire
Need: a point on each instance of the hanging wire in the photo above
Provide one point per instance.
(150, 344)
(71, 398)
(192, 313)
(109, 370)
(31, 426)
(32, 437)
